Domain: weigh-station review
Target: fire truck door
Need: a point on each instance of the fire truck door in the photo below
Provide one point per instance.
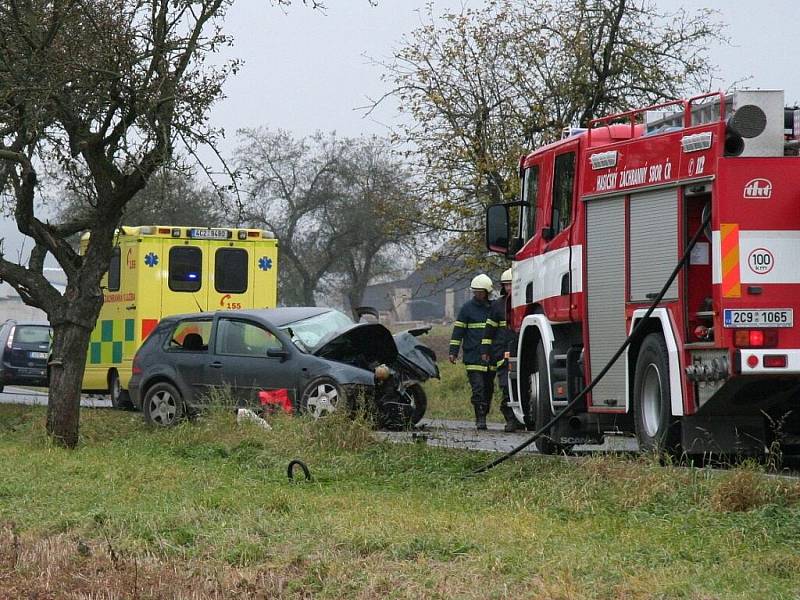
(558, 252)
(230, 282)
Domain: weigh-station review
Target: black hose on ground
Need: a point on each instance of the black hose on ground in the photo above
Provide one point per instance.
(636, 330)
(297, 463)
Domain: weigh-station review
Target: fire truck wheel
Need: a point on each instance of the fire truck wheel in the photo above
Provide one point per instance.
(656, 429)
(540, 404)
(322, 397)
(120, 399)
(163, 405)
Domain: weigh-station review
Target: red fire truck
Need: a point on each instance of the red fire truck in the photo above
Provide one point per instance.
(604, 217)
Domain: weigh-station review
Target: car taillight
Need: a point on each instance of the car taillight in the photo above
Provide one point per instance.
(11, 337)
(136, 369)
(755, 338)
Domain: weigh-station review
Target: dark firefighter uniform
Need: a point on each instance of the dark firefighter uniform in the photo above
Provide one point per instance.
(497, 339)
(467, 335)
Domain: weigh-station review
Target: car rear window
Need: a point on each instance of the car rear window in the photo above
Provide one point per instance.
(32, 334)
(230, 270)
(185, 269)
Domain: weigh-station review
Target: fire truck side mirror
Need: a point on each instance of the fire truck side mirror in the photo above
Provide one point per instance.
(497, 228)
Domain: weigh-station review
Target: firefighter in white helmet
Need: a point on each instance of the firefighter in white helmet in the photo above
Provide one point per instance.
(496, 340)
(467, 332)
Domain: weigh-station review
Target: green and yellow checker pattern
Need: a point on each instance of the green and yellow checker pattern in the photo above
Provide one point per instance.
(111, 340)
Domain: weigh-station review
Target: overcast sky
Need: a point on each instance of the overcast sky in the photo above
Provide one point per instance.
(306, 70)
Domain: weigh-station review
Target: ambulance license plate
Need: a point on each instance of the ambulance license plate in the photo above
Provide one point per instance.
(758, 317)
(209, 234)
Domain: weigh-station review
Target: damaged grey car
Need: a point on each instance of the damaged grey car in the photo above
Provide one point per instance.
(315, 359)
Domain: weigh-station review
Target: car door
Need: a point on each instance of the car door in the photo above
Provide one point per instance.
(243, 362)
(188, 353)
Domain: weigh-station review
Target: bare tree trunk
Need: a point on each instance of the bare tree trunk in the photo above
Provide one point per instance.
(66, 376)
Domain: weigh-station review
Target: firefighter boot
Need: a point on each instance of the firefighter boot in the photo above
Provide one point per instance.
(512, 424)
(480, 418)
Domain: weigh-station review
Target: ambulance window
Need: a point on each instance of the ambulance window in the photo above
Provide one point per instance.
(230, 270)
(114, 271)
(531, 194)
(185, 269)
(563, 185)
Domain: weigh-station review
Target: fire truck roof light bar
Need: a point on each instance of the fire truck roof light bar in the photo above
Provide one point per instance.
(696, 142)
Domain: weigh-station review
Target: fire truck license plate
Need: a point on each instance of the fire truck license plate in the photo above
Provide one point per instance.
(758, 317)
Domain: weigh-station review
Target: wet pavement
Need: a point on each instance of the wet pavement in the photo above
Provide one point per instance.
(447, 433)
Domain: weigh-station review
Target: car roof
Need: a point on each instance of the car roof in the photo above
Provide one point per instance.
(277, 316)
(29, 323)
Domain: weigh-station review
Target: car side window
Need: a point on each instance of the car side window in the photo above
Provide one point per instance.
(240, 338)
(191, 335)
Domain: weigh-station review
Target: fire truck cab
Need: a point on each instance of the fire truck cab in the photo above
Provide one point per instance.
(604, 217)
(157, 271)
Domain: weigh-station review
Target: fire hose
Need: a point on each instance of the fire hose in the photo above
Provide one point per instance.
(628, 340)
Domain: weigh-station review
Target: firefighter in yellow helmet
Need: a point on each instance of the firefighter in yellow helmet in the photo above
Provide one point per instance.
(496, 340)
(467, 332)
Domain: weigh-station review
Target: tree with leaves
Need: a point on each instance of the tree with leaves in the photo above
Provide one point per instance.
(341, 209)
(170, 197)
(482, 86)
(96, 94)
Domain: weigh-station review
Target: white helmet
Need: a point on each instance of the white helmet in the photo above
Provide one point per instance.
(506, 276)
(482, 282)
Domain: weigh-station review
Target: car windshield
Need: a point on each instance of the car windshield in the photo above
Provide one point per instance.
(32, 334)
(311, 331)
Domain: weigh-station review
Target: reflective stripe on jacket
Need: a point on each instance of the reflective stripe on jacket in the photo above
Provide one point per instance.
(497, 337)
(467, 332)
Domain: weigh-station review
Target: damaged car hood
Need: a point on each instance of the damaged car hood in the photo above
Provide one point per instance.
(372, 341)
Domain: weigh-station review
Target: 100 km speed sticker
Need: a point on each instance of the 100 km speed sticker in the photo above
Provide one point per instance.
(761, 261)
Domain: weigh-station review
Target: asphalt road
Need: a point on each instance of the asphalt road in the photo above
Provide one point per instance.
(463, 435)
(36, 397)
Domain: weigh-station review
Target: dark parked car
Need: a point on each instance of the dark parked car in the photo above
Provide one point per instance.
(26, 347)
(317, 356)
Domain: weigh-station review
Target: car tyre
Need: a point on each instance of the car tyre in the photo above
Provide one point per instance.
(163, 405)
(120, 399)
(323, 396)
(420, 401)
(656, 429)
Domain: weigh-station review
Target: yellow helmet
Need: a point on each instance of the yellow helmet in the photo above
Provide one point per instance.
(506, 276)
(482, 282)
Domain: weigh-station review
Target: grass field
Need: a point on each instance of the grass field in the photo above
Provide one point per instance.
(206, 510)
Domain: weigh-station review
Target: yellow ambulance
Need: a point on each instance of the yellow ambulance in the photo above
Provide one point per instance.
(157, 271)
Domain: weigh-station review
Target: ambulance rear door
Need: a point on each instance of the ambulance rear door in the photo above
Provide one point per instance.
(231, 282)
(185, 276)
(265, 273)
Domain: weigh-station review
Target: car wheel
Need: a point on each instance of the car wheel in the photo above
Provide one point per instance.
(120, 399)
(163, 405)
(323, 396)
(656, 429)
(540, 404)
(419, 399)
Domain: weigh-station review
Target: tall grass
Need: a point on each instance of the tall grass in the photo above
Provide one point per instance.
(206, 510)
